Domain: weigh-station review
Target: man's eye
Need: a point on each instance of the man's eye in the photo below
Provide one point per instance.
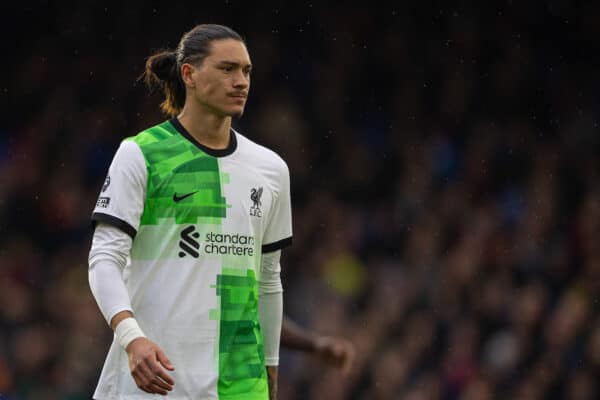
(227, 69)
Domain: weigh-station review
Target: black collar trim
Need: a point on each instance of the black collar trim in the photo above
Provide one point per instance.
(213, 152)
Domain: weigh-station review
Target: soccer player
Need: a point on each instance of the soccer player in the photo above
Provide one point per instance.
(189, 228)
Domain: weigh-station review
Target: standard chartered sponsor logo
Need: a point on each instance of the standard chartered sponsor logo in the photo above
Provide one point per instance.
(233, 244)
(230, 244)
(189, 242)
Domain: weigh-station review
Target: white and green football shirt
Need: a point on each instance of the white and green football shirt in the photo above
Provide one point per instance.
(200, 219)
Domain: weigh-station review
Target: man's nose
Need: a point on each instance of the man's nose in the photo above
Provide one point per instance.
(241, 80)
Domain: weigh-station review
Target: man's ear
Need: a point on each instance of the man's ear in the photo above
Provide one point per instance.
(186, 74)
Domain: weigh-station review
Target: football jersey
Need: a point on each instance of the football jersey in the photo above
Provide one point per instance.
(200, 219)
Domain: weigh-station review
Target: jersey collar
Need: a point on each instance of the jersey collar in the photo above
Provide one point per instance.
(213, 152)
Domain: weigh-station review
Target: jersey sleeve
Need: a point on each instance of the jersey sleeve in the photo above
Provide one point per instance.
(278, 233)
(121, 200)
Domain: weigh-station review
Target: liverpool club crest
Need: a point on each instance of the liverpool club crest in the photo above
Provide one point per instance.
(255, 195)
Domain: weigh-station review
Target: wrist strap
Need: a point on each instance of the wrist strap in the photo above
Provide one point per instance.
(127, 330)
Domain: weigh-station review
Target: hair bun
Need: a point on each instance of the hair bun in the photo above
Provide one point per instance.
(163, 65)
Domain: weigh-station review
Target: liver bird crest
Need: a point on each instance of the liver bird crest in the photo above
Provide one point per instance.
(255, 197)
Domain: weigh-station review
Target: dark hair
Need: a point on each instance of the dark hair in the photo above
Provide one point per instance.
(163, 69)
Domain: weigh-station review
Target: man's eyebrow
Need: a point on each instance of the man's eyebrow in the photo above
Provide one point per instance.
(234, 64)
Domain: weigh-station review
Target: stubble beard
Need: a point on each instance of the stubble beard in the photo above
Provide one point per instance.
(237, 114)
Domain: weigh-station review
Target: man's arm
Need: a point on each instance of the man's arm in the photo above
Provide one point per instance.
(147, 362)
(270, 312)
(333, 350)
(277, 235)
(272, 379)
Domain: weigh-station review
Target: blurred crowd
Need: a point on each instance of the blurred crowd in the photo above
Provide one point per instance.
(445, 185)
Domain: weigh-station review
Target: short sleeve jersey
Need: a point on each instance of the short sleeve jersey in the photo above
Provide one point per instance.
(200, 219)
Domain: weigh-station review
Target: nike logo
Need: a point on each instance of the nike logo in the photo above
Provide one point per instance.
(177, 199)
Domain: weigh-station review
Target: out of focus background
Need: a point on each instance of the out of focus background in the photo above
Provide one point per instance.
(445, 185)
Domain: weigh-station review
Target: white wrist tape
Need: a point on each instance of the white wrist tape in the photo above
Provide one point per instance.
(127, 330)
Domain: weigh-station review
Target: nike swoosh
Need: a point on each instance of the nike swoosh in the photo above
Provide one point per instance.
(177, 199)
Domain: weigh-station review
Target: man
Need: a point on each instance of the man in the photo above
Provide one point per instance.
(190, 224)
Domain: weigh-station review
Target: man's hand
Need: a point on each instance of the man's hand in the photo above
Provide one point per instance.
(335, 351)
(147, 363)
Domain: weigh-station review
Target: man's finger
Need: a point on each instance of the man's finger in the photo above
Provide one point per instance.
(168, 379)
(346, 364)
(349, 358)
(138, 376)
(338, 350)
(149, 385)
(154, 388)
(164, 360)
(145, 390)
(144, 373)
(157, 380)
(140, 380)
(159, 376)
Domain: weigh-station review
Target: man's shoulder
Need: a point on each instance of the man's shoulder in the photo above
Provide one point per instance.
(153, 134)
(260, 155)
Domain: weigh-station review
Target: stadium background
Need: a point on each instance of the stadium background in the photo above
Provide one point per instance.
(445, 187)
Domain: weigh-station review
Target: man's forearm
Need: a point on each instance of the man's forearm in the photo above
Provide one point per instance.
(107, 258)
(295, 337)
(333, 350)
(272, 379)
(119, 317)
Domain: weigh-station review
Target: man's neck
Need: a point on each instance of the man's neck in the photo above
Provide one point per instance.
(207, 128)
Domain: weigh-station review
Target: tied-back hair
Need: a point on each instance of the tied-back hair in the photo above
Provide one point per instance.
(163, 69)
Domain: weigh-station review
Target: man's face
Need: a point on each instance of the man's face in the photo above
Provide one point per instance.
(221, 82)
